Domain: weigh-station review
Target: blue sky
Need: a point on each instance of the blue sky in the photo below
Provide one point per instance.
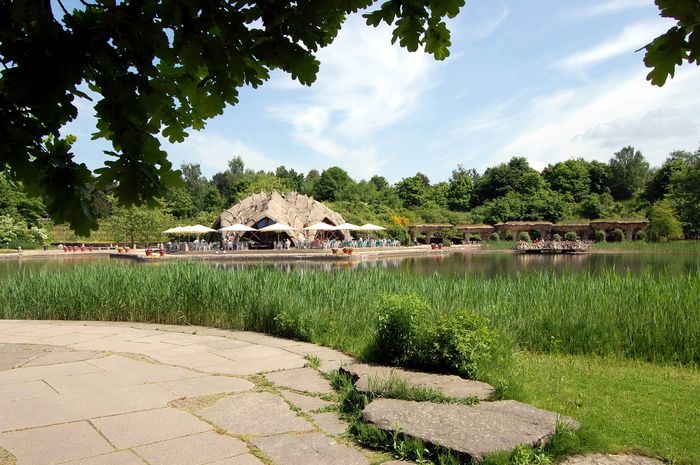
(544, 79)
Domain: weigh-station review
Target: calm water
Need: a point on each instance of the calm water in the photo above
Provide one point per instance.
(455, 264)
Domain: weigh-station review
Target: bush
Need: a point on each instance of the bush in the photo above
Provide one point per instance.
(663, 224)
(556, 237)
(446, 242)
(495, 237)
(399, 232)
(617, 235)
(641, 235)
(599, 235)
(508, 236)
(408, 334)
(524, 236)
(571, 236)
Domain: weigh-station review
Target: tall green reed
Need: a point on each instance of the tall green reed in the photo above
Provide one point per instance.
(648, 316)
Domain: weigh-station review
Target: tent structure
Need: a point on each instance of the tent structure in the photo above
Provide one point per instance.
(370, 227)
(293, 209)
(238, 227)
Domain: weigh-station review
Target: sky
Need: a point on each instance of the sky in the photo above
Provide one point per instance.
(543, 79)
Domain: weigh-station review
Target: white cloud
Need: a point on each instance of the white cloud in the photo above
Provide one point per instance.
(632, 37)
(610, 6)
(599, 120)
(365, 85)
(213, 152)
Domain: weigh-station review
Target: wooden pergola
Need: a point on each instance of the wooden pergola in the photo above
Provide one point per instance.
(516, 227)
(483, 230)
(427, 229)
(630, 227)
(582, 229)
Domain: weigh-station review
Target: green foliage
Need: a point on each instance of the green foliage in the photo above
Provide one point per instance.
(494, 237)
(414, 190)
(460, 189)
(595, 206)
(524, 236)
(139, 224)
(659, 185)
(680, 43)
(556, 237)
(571, 236)
(685, 196)
(516, 176)
(629, 172)
(599, 235)
(616, 235)
(663, 224)
(14, 231)
(569, 177)
(408, 334)
(330, 183)
(157, 69)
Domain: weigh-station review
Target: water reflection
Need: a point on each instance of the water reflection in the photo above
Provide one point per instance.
(458, 264)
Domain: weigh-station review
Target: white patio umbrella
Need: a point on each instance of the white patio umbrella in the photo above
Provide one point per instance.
(238, 227)
(278, 228)
(370, 227)
(175, 230)
(197, 229)
(348, 226)
(321, 226)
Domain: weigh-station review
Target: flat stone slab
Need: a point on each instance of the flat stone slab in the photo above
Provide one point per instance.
(330, 423)
(304, 403)
(449, 385)
(308, 449)
(301, 379)
(609, 459)
(193, 450)
(254, 414)
(471, 430)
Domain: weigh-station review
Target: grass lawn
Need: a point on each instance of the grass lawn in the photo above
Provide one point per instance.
(624, 405)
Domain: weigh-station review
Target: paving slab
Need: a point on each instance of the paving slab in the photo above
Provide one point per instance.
(305, 403)
(450, 385)
(330, 423)
(471, 430)
(301, 379)
(206, 385)
(63, 356)
(26, 390)
(308, 449)
(123, 457)
(10, 359)
(55, 444)
(139, 428)
(245, 459)
(254, 414)
(197, 449)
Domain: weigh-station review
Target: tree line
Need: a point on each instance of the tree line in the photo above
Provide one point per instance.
(624, 187)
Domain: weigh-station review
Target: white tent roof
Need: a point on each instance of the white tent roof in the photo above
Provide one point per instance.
(197, 229)
(348, 226)
(175, 230)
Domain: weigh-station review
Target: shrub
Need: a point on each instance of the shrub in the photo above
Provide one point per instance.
(524, 236)
(663, 224)
(400, 233)
(446, 242)
(571, 236)
(641, 235)
(508, 236)
(495, 237)
(408, 334)
(556, 237)
(617, 235)
(599, 235)
(397, 327)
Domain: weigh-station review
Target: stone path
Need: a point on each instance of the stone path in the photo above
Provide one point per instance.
(121, 394)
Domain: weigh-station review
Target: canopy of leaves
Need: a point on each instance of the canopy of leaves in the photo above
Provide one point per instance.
(569, 177)
(629, 171)
(679, 44)
(514, 176)
(331, 182)
(158, 68)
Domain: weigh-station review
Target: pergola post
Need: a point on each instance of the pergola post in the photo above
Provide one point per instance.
(629, 232)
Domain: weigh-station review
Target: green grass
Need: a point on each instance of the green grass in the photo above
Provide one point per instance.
(624, 405)
(647, 316)
(689, 246)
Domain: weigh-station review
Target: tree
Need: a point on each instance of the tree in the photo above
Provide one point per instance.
(459, 195)
(139, 223)
(629, 171)
(663, 224)
(659, 184)
(412, 191)
(514, 176)
(569, 177)
(685, 195)
(331, 182)
(159, 67)
(680, 43)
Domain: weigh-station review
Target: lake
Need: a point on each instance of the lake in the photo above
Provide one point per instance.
(488, 264)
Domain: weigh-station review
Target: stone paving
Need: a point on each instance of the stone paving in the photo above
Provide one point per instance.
(121, 394)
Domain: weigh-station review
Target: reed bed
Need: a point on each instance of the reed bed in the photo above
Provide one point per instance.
(645, 316)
